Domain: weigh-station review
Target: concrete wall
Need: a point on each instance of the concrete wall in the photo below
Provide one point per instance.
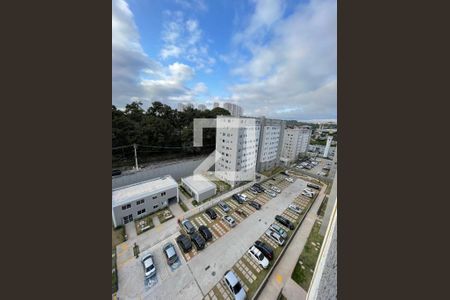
(177, 170)
(330, 204)
(149, 203)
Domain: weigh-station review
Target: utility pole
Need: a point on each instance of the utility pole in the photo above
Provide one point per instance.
(135, 156)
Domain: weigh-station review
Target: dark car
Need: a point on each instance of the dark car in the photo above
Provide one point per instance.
(285, 222)
(211, 213)
(237, 198)
(205, 232)
(171, 254)
(265, 249)
(188, 226)
(255, 204)
(284, 173)
(198, 241)
(259, 188)
(116, 172)
(184, 242)
(314, 186)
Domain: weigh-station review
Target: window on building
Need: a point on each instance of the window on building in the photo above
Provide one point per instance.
(163, 193)
(155, 206)
(139, 202)
(140, 212)
(124, 207)
(154, 197)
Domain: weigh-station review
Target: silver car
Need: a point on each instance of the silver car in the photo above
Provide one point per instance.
(229, 220)
(295, 208)
(279, 230)
(275, 189)
(232, 282)
(270, 193)
(149, 267)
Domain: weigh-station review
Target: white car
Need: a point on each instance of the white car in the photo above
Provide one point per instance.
(289, 179)
(307, 194)
(229, 220)
(244, 197)
(275, 189)
(149, 267)
(257, 255)
(232, 282)
(295, 208)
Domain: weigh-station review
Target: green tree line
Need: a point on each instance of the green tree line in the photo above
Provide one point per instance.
(159, 131)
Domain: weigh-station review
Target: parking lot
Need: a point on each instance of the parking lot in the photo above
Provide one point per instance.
(200, 273)
(249, 272)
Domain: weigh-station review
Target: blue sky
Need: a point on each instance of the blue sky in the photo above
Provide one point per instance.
(273, 57)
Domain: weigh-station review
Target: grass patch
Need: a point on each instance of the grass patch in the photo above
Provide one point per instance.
(322, 207)
(222, 186)
(183, 206)
(308, 257)
(115, 285)
(164, 215)
(143, 224)
(195, 203)
(273, 171)
(118, 236)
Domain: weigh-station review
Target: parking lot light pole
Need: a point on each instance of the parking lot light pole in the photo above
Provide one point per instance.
(135, 157)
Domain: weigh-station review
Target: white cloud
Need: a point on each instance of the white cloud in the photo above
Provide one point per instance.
(183, 39)
(193, 4)
(135, 76)
(292, 74)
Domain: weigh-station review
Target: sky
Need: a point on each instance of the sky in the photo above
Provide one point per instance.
(275, 58)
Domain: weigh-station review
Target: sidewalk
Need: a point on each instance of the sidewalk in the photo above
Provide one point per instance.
(281, 275)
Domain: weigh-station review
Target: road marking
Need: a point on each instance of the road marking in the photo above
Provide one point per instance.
(279, 278)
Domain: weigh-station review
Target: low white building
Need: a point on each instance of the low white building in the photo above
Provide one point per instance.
(140, 199)
(199, 187)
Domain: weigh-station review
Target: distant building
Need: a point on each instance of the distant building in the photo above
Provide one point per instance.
(216, 104)
(237, 142)
(295, 141)
(202, 107)
(327, 146)
(140, 199)
(270, 143)
(234, 109)
(199, 187)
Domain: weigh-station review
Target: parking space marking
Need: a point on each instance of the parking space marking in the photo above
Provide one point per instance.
(237, 217)
(269, 241)
(220, 212)
(252, 263)
(231, 204)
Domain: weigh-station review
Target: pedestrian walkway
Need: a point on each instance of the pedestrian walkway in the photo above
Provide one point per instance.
(176, 209)
(282, 272)
(130, 230)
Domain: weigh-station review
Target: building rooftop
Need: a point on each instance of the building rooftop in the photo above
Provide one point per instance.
(199, 183)
(142, 189)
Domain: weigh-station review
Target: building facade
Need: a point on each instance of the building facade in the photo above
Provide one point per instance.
(199, 187)
(270, 143)
(295, 141)
(327, 146)
(237, 142)
(138, 200)
(234, 109)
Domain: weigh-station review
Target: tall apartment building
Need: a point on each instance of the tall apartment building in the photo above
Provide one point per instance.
(295, 141)
(270, 144)
(234, 109)
(327, 146)
(237, 142)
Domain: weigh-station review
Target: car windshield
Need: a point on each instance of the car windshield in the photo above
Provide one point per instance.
(149, 268)
(260, 256)
(237, 288)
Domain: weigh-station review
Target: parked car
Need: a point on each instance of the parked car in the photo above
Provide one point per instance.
(285, 222)
(307, 194)
(253, 190)
(295, 208)
(254, 204)
(229, 220)
(224, 206)
(232, 282)
(171, 254)
(275, 227)
(309, 190)
(276, 237)
(205, 232)
(275, 189)
(211, 213)
(184, 242)
(257, 256)
(188, 226)
(244, 197)
(270, 193)
(289, 179)
(149, 267)
(265, 249)
(236, 198)
(116, 172)
(198, 241)
(314, 186)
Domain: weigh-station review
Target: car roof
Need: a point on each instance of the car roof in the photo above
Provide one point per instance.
(231, 277)
(170, 251)
(148, 261)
